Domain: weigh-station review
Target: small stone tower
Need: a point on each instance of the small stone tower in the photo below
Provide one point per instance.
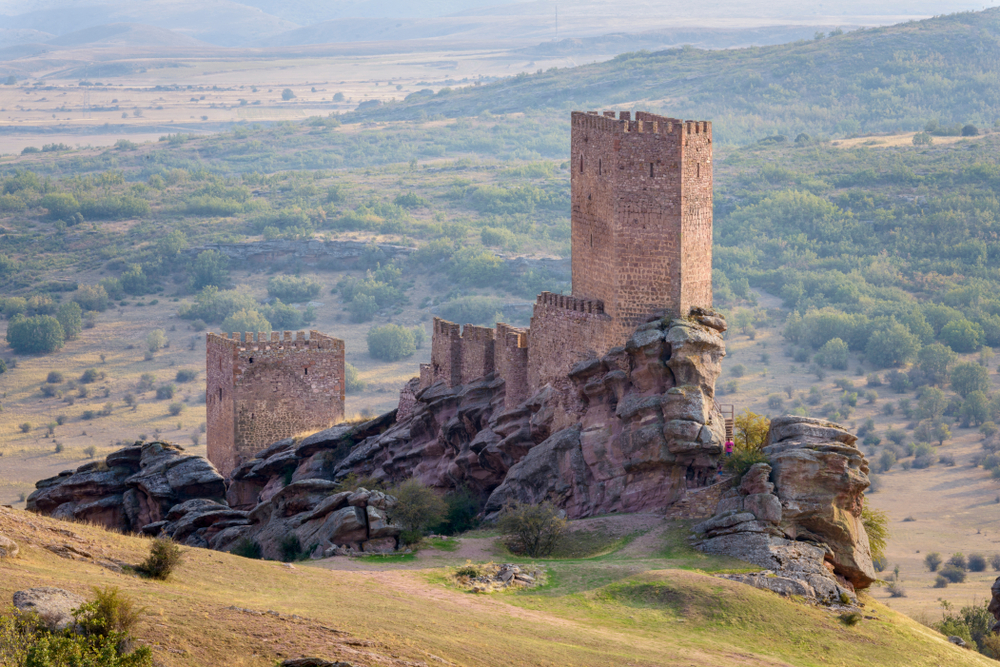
(641, 215)
(265, 387)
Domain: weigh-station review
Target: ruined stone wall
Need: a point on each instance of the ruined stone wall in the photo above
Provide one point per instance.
(477, 352)
(511, 363)
(564, 331)
(641, 193)
(220, 359)
(276, 386)
(446, 359)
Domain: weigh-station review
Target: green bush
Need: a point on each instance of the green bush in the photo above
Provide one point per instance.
(531, 530)
(246, 320)
(876, 523)
(977, 563)
(70, 317)
(186, 375)
(214, 305)
(92, 297)
(164, 557)
(417, 508)
(248, 548)
(482, 310)
(293, 289)
(210, 269)
(968, 377)
(110, 612)
(54, 377)
(390, 342)
(38, 334)
(291, 548)
(175, 408)
(352, 380)
(833, 353)
(165, 391)
(60, 205)
(932, 561)
(962, 335)
(953, 574)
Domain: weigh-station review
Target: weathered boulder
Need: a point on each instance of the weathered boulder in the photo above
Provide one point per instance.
(820, 477)
(54, 606)
(994, 606)
(132, 488)
(8, 547)
(800, 515)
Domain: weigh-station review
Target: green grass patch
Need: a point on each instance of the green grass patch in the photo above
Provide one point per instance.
(440, 543)
(388, 558)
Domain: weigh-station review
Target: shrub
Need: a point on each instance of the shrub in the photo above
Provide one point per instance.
(876, 523)
(995, 562)
(940, 582)
(244, 320)
(775, 401)
(90, 451)
(968, 377)
(833, 353)
(54, 377)
(531, 530)
(90, 375)
(210, 268)
(38, 334)
(291, 548)
(164, 557)
(156, 340)
(953, 574)
(25, 427)
(352, 380)
(932, 561)
(248, 548)
(110, 612)
(185, 376)
(293, 289)
(418, 507)
(175, 408)
(165, 391)
(390, 342)
(896, 590)
(977, 563)
(958, 560)
(886, 460)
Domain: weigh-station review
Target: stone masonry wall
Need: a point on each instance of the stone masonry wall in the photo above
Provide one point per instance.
(564, 331)
(446, 360)
(511, 363)
(641, 193)
(276, 386)
(477, 352)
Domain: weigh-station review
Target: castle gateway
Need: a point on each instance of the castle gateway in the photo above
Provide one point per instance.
(263, 388)
(641, 248)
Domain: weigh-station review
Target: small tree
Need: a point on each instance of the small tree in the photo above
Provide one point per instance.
(932, 561)
(977, 563)
(41, 333)
(176, 408)
(417, 507)
(876, 523)
(352, 380)
(968, 377)
(531, 530)
(287, 94)
(164, 557)
(70, 317)
(246, 320)
(833, 354)
(156, 340)
(390, 342)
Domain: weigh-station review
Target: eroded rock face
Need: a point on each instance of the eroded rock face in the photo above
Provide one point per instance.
(821, 476)
(131, 488)
(646, 427)
(800, 516)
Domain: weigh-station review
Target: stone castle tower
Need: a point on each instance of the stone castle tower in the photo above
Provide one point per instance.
(641, 215)
(263, 388)
(641, 195)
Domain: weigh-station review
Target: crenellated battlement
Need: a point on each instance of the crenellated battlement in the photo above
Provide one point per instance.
(262, 340)
(567, 302)
(262, 387)
(644, 123)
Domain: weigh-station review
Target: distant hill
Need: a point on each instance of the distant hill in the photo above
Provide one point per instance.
(873, 80)
(14, 37)
(127, 34)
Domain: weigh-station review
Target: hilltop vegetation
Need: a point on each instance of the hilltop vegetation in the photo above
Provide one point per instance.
(874, 80)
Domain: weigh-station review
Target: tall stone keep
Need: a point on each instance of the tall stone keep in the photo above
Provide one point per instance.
(265, 387)
(641, 215)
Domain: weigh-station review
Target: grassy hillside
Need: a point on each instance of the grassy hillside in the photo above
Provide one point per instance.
(642, 606)
(867, 81)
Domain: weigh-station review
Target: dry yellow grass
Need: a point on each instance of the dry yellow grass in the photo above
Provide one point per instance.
(597, 612)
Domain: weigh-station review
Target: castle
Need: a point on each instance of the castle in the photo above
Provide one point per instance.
(641, 193)
(262, 388)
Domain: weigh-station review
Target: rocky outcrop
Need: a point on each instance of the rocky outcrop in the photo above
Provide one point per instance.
(53, 606)
(994, 606)
(799, 516)
(131, 488)
(643, 429)
(646, 426)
